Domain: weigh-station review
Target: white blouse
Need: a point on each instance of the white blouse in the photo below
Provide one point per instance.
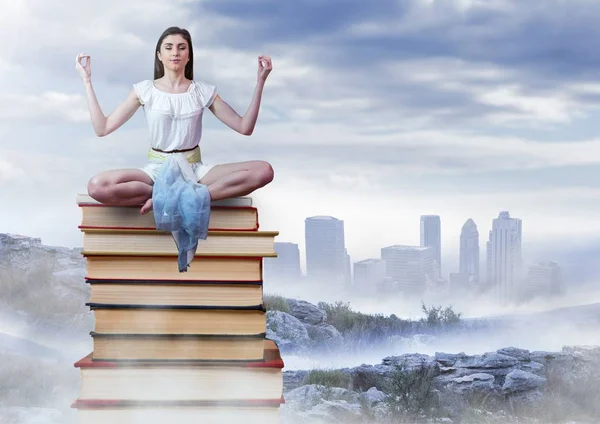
(175, 119)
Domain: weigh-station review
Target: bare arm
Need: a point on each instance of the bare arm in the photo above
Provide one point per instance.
(104, 125)
(242, 124)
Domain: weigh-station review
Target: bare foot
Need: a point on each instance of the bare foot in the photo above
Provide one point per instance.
(147, 207)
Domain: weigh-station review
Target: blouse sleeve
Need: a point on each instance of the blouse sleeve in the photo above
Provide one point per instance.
(207, 93)
(143, 91)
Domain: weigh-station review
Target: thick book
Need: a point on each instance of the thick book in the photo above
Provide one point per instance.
(178, 320)
(223, 218)
(85, 199)
(231, 412)
(186, 382)
(167, 347)
(181, 392)
(164, 268)
(175, 293)
(98, 241)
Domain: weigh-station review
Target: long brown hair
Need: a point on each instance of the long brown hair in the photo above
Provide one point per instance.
(159, 69)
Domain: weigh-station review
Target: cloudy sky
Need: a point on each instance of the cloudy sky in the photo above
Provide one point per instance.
(375, 112)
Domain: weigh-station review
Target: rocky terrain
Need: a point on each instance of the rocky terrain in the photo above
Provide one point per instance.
(44, 328)
(496, 386)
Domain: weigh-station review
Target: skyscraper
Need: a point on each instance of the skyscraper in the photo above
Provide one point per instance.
(369, 275)
(544, 278)
(504, 255)
(411, 267)
(286, 266)
(469, 253)
(326, 257)
(431, 236)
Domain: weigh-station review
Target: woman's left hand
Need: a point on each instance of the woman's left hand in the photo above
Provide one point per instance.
(264, 67)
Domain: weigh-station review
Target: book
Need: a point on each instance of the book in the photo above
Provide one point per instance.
(238, 218)
(136, 382)
(152, 242)
(153, 347)
(171, 320)
(164, 268)
(86, 199)
(175, 293)
(156, 414)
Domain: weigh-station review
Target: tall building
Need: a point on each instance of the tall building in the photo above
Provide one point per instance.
(286, 266)
(504, 256)
(544, 278)
(469, 253)
(348, 269)
(412, 268)
(368, 275)
(326, 257)
(431, 236)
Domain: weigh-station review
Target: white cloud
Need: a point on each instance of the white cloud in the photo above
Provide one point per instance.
(9, 172)
(42, 107)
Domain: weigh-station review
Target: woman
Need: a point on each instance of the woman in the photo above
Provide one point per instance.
(174, 103)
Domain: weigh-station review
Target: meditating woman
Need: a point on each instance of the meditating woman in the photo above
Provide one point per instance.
(174, 104)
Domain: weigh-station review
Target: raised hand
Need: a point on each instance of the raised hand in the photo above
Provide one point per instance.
(85, 71)
(264, 67)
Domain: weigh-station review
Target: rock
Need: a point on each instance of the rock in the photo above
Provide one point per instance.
(448, 359)
(325, 335)
(412, 362)
(583, 352)
(478, 382)
(366, 376)
(373, 396)
(533, 367)
(308, 396)
(521, 381)
(487, 360)
(306, 312)
(287, 331)
(544, 357)
(335, 411)
(520, 354)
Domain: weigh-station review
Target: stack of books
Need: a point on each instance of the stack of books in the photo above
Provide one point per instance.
(170, 346)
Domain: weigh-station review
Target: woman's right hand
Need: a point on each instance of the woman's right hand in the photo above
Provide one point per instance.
(85, 72)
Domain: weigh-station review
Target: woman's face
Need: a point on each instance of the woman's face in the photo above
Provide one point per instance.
(174, 53)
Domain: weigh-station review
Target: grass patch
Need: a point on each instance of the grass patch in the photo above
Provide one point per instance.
(328, 378)
(276, 303)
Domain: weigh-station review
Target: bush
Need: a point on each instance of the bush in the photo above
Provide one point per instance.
(276, 303)
(411, 393)
(438, 317)
(328, 378)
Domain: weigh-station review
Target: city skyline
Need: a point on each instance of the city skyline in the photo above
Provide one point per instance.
(410, 266)
(467, 232)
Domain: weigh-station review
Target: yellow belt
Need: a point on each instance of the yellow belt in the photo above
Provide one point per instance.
(193, 156)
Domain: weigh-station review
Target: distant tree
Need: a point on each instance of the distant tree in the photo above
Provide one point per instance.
(436, 316)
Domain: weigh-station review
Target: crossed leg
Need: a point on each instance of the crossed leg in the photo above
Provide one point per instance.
(132, 187)
(121, 187)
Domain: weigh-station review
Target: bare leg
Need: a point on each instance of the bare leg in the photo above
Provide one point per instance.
(123, 187)
(230, 180)
(237, 179)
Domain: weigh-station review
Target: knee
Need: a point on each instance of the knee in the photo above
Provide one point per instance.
(98, 188)
(264, 173)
